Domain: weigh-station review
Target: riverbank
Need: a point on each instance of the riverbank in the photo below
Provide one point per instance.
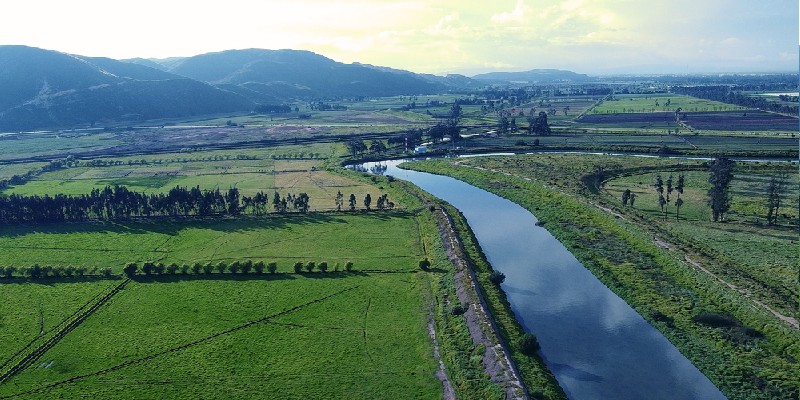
(479, 347)
(753, 358)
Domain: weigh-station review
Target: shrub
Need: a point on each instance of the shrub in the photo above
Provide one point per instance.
(130, 269)
(185, 269)
(172, 269)
(310, 266)
(298, 267)
(424, 264)
(497, 277)
(160, 268)
(208, 268)
(259, 267)
(457, 309)
(247, 266)
(69, 270)
(221, 267)
(234, 267)
(348, 266)
(148, 267)
(107, 272)
(272, 267)
(80, 271)
(323, 266)
(528, 344)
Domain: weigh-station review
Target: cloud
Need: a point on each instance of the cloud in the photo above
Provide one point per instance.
(435, 36)
(515, 15)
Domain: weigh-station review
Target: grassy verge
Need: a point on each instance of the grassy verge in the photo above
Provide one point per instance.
(540, 381)
(748, 355)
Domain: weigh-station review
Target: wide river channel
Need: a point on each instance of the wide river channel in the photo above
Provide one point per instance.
(597, 346)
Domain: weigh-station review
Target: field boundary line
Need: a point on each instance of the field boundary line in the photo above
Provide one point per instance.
(63, 321)
(29, 359)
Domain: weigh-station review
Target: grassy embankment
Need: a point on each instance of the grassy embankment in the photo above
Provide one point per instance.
(745, 351)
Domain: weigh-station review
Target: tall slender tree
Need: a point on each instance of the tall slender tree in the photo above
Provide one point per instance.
(720, 177)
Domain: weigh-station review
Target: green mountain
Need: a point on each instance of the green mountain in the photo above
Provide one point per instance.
(48, 89)
(43, 89)
(300, 74)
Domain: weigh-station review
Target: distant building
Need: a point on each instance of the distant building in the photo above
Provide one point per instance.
(420, 149)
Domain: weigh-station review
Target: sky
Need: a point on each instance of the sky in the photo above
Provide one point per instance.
(445, 36)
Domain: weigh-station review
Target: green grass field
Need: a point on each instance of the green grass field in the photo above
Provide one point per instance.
(339, 336)
(641, 103)
(157, 175)
(386, 241)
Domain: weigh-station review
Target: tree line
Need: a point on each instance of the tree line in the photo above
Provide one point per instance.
(119, 203)
(150, 268)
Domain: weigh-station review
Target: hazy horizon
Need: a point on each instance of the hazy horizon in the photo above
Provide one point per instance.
(608, 37)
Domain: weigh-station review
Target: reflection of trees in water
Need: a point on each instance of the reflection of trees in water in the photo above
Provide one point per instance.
(378, 169)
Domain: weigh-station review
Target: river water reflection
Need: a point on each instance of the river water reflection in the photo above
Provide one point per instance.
(597, 346)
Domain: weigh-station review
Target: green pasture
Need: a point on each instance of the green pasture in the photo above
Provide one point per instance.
(159, 175)
(46, 143)
(29, 309)
(748, 195)
(379, 241)
(338, 336)
(645, 103)
(9, 170)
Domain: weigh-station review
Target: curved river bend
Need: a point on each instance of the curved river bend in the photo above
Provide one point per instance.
(597, 346)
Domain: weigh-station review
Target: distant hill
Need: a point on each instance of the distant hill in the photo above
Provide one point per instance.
(454, 81)
(534, 76)
(147, 63)
(47, 89)
(300, 73)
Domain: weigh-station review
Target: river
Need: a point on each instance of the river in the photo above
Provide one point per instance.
(597, 346)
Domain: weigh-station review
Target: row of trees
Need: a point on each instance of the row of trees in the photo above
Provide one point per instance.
(37, 271)
(382, 203)
(118, 202)
(235, 267)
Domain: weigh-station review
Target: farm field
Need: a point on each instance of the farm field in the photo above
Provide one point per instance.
(644, 121)
(750, 120)
(159, 175)
(650, 103)
(378, 241)
(331, 336)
